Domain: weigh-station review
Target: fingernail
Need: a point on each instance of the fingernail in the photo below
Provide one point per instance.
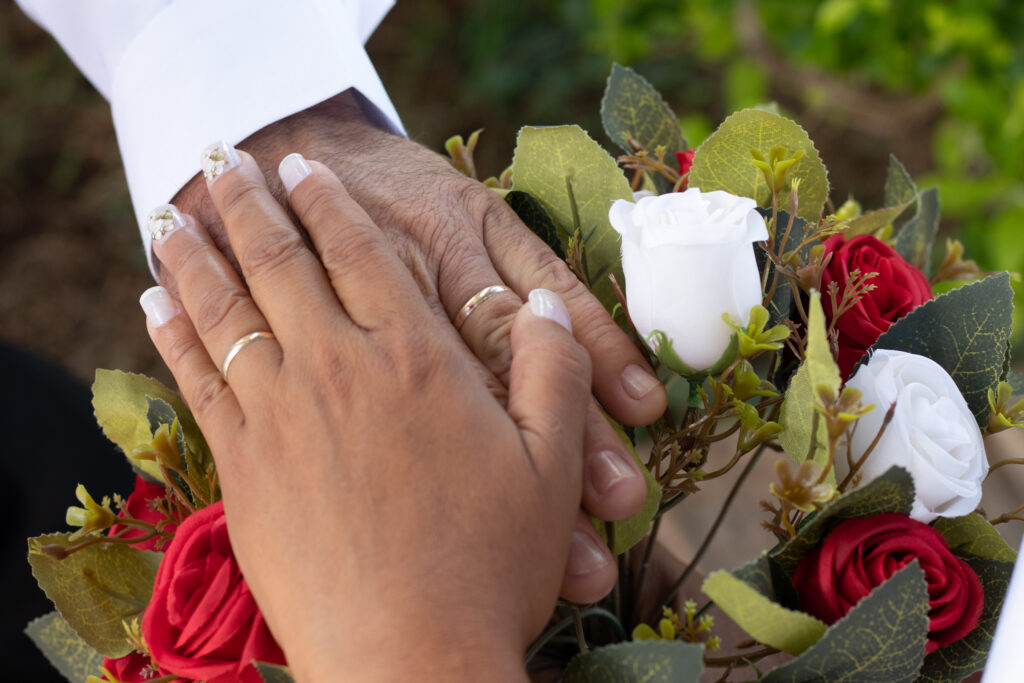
(164, 219)
(292, 170)
(217, 159)
(585, 557)
(547, 304)
(158, 306)
(638, 382)
(608, 468)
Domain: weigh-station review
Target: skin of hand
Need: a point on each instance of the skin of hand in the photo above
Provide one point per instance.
(391, 517)
(456, 237)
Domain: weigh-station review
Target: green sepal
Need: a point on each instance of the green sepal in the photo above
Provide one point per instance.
(661, 345)
(641, 661)
(63, 648)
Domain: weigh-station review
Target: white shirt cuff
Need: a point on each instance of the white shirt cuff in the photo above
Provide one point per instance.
(203, 71)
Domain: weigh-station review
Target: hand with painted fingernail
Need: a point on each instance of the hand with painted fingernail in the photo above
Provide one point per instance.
(372, 482)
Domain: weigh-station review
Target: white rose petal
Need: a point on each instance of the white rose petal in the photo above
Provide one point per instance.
(688, 258)
(933, 433)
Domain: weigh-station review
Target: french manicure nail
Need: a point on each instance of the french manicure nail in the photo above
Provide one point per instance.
(158, 306)
(292, 170)
(638, 382)
(217, 159)
(164, 219)
(607, 469)
(547, 304)
(584, 555)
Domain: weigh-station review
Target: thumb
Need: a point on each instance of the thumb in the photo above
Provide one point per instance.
(549, 390)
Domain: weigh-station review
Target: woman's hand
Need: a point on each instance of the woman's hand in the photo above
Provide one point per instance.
(389, 515)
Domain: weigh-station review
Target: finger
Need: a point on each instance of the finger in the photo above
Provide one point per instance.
(549, 392)
(623, 381)
(590, 571)
(285, 278)
(198, 378)
(217, 303)
(365, 272)
(613, 486)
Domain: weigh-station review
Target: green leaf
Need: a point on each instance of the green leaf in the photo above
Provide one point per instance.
(642, 661)
(797, 417)
(630, 531)
(868, 223)
(533, 215)
(547, 160)
(966, 332)
(765, 620)
(780, 307)
(272, 673)
(120, 401)
(767, 577)
(881, 639)
(958, 660)
(900, 189)
(891, 492)
(631, 107)
(973, 535)
(915, 239)
(724, 162)
(96, 588)
(63, 648)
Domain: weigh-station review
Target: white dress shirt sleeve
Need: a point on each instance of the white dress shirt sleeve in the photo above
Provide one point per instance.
(180, 74)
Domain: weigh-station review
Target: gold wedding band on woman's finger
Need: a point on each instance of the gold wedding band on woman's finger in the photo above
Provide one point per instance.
(238, 346)
(476, 301)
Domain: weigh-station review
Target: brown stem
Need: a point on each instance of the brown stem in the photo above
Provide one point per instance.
(874, 442)
(717, 662)
(1008, 461)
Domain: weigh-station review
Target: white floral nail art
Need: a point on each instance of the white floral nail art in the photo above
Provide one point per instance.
(217, 159)
(163, 219)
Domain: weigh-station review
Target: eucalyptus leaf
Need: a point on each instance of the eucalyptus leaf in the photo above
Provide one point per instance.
(631, 107)
(765, 620)
(799, 438)
(96, 588)
(533, 215)
(630, 531)
(958, 660)
(900, 189)
(891, 492)
(642, 661)
(724, 162)
(881, 639)
(915, 239)
(547, 162)
(966, 332)
(63, 648)
(973, 535)
(273, 673)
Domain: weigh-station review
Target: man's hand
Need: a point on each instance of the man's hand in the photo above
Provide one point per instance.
(456, 237)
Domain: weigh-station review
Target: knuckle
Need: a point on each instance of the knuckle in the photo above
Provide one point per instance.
(320, 203)
(179, 347)
(240, 195)
(206, 394)
(552, 273)
(215, 307)
(357, 241)
(272, 250)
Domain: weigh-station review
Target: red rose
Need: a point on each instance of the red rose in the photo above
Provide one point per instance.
(899, 289)
(860, 554)
(685, 161)
(133, 668)
(202, 622)
(140, 506)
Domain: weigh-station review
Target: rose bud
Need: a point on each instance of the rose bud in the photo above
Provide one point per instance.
(860, 554)
(933, 434)
(202, 621)
(899, 288)
(688, 258)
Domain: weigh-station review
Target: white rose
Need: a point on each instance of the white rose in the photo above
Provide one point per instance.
(688, 258)
(932, 434)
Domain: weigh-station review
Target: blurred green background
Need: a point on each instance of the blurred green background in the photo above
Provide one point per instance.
(939, 83)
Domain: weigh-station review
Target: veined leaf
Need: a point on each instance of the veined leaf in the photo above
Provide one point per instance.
(973, 535)
(546, 162)
(641, 661)
(533, 215)
(966, 332)
(873, 220)
(881, 639)
(96, 588)
(899, 186)
(724, 162)
(798, 415)
(63, 648)
(915, 239)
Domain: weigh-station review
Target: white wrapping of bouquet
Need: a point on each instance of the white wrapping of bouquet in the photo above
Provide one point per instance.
(1003, 665)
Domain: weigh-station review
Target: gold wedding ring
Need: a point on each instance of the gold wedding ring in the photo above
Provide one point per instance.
(238, 346)
(476, 301)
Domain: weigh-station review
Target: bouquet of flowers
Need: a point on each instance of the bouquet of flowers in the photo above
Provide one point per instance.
(827, 337)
